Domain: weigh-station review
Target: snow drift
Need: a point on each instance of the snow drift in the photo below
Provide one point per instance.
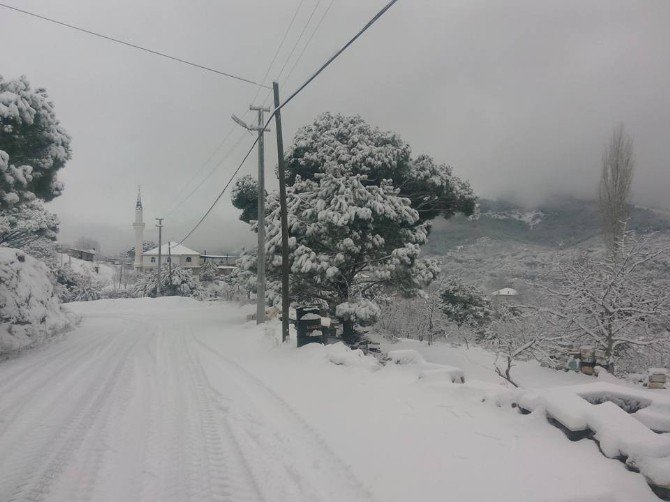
(29, 309)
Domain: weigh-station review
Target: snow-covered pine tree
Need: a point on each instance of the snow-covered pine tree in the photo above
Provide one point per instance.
(359, 148)
(359, 207)
(33, 144)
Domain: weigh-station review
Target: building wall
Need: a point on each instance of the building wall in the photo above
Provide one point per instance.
(180, 260)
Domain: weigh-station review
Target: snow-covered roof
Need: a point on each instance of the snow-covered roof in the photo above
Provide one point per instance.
(175, 249)
(505, 292)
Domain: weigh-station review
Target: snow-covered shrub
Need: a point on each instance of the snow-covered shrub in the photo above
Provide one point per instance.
(466, 304)
(29, 309)
(77, 287)
(208, 271)
(44, 250)
(223, 290)
(180, 282)
(22, 224)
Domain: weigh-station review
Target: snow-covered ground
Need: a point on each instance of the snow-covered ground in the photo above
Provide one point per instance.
(173, 399)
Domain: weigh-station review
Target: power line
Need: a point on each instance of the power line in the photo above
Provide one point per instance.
(318, 25)
(184, 187)
(288, 100)
(333, 58)
(134, 46)
(279, 47)
(246, 156)
(302, 32)
(212, 171)
(295, 45)
(232, 129)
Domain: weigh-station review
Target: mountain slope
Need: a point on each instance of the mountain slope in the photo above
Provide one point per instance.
(558, 222)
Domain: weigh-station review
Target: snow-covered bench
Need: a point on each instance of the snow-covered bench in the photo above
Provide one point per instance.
(620, 419)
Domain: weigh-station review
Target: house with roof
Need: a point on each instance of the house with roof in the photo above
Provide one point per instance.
(174, 253)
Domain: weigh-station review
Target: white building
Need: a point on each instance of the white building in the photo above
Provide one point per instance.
(505, 292)
(171, 252)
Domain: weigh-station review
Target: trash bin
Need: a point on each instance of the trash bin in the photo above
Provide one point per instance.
(308, 326)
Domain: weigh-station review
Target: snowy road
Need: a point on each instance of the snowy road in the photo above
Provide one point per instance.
(123, 409)
(178, 400)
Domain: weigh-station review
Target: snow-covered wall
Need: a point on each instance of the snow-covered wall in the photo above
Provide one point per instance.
(29, 309)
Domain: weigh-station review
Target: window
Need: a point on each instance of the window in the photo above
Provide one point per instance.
(153, 260)
(188, 259)
(168, 260)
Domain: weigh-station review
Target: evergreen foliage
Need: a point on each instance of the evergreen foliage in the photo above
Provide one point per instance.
(245, 197)
(33, 144)
(358, 211)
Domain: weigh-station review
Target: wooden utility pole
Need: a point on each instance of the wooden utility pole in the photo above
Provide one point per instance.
(160, 243)
(284, 217)
(260, 272)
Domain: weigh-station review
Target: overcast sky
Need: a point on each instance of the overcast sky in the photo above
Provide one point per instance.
(519, 96)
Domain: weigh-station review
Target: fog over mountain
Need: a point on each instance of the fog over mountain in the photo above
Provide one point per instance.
(520, 97)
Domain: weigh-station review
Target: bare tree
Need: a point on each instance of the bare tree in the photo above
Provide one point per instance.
(615, 181)
(619, 304)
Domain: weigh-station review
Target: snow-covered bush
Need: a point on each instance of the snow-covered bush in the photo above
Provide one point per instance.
(29, 308)
(208, 271)
(33, 144)
(21, 224)
(178, 283)
(466, 304)
(77, 287)
(44, 250)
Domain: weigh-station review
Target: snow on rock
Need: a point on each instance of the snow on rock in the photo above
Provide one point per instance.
(427, 371)
(340, 354)
(29, 308)
(406, 356)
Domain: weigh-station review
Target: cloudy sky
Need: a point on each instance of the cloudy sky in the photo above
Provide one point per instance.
(519, 96)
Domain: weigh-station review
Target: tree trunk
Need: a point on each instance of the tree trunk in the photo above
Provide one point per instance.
(349, 335)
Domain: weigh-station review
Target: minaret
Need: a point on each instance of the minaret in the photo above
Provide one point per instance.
(139, 231)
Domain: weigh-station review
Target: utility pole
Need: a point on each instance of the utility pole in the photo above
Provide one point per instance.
(170, 262)
(160, 243)
(284, 217)
(260, 253)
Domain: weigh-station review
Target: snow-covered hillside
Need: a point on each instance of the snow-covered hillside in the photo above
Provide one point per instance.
(172, 399)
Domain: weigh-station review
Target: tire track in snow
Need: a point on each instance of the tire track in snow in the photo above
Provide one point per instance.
(69, 371)
(31, 474)
(290, 433)
(228, 476)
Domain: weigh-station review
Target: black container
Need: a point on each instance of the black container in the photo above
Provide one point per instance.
(308, 326)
